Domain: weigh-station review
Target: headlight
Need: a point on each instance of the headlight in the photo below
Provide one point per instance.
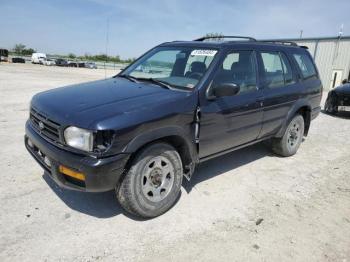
(79, 138)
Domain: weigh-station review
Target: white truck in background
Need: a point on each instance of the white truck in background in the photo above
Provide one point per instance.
(38, 58)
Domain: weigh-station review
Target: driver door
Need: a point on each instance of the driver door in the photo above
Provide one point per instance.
(231, 121)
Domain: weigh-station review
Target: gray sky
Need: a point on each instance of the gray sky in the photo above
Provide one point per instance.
(79, 26)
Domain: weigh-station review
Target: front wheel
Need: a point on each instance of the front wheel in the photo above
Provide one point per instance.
(330, 105)
(289, 144)
(152, 184)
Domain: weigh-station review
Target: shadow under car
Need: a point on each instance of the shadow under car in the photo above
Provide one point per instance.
(105, 204)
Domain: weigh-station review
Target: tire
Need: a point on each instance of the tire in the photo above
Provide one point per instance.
(152, 184)
(289, 144)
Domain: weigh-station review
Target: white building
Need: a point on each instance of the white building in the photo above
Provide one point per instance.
(332, 57)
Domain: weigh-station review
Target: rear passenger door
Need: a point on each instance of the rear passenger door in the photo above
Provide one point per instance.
(280, 88)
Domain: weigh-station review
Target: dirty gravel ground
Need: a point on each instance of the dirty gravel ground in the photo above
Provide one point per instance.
(304, 200)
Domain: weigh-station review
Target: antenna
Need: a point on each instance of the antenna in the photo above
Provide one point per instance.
(107, 39)
(341, 31)
(336, 50)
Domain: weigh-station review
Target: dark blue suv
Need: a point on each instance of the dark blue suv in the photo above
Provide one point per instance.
(178, 105)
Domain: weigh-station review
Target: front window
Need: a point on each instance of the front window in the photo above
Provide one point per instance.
(181, 67)
(238, 68)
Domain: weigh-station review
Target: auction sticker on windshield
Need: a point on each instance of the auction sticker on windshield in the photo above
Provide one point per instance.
(203, 52)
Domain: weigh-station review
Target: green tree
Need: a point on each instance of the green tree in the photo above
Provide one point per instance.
(104, 58)
(28, 51)
(18, 49)
(71, 56)
(101, 57)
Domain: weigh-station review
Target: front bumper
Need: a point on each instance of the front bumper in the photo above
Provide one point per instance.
(101, 174)
(343, 100)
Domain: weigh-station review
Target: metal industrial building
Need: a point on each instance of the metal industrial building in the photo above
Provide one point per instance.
(332, 57)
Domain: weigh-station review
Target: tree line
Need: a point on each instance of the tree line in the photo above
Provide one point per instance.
(21, 49)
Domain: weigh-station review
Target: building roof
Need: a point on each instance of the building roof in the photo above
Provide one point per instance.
(346, 37)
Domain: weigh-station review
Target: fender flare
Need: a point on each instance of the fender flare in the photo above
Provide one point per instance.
(291, 113)
(152, 135)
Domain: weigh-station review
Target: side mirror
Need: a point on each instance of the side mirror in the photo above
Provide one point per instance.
(225, 89)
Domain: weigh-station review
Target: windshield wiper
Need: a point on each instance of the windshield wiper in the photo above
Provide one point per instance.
(130, 78)
(153, 80)
(158, 82)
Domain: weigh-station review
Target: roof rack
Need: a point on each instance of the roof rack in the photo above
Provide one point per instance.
(225, 36)
(280, 42)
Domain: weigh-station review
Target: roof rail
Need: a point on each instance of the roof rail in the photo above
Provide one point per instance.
(225, 36)
(280, 42)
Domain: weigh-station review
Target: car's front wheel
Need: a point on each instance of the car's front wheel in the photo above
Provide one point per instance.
(152, 184)
(289, 144)
(330, 105)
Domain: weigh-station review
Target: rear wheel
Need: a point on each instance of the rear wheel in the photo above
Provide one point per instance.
(289, 144)
(153, 182)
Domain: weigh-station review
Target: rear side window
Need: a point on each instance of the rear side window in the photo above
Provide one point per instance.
(273, 69)
(278, 71)
(305, 65)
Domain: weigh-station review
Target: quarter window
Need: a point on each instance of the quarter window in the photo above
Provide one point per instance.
(305, 65)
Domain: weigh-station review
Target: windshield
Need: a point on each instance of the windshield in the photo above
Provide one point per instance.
(178, 67)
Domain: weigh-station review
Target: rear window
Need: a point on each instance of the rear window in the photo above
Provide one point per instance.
(305, 65)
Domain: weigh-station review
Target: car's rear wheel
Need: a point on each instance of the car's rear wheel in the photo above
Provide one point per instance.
(152, 184)
(289, 144)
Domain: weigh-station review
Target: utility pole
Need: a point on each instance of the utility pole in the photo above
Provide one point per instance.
(107, 39)
(341, 30)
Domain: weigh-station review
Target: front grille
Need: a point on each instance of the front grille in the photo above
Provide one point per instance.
(38, 155)
(344, 100)
(45, 126)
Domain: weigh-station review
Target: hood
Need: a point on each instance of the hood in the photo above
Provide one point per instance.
(84, 105)
(343, 89)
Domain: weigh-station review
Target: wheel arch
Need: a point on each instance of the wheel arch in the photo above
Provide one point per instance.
(175, 136)
(302, 107)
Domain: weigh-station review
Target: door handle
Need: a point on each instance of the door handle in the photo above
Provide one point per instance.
(260, 100)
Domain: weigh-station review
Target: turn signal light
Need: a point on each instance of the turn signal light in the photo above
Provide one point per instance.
(69, 172)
